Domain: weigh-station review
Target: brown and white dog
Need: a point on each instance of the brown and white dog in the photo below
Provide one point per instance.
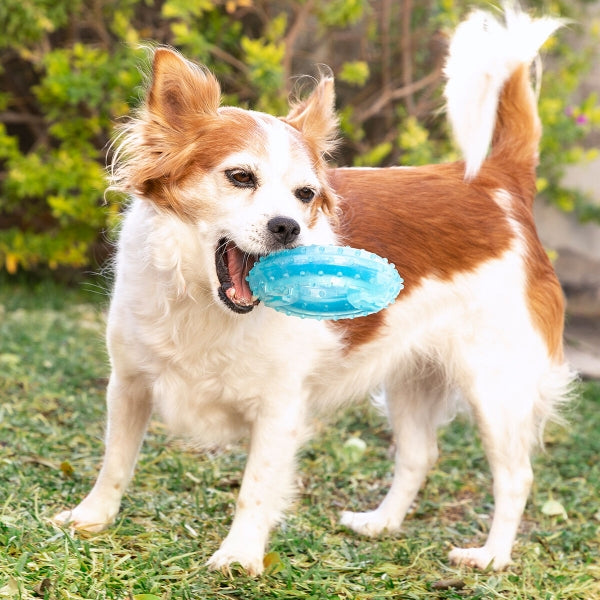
(479, 322)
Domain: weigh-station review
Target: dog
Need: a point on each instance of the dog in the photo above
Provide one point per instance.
(479, 322)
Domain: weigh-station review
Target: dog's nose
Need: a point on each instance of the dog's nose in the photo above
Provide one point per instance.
(284, 229)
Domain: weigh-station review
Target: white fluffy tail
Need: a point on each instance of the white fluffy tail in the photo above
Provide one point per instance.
(483, 55)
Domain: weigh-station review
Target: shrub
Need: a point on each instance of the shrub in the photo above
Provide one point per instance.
(69, 70)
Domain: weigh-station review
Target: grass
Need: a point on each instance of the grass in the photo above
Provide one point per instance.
(53, 371)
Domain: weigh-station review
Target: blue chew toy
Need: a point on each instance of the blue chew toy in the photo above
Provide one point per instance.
(325, 282)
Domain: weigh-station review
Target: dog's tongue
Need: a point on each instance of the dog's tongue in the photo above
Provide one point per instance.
(239, 265)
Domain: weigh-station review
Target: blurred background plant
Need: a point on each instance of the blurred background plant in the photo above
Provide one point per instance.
(69, 69)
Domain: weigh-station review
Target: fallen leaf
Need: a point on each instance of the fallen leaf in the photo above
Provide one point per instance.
(10, 589)
(354, 449)
(9, 359)
(553, 508)
(66, 468)
(448, 584)
(42, 587)
(272, 562)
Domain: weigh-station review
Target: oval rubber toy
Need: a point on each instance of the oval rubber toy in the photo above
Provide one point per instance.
(325, 282)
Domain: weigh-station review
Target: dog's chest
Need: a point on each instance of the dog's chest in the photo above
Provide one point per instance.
(210, 394)
(210, 377)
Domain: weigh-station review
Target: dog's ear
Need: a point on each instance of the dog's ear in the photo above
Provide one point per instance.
(180, 90)
(315, 117)
(159, 145)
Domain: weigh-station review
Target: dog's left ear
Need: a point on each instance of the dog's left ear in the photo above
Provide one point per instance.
(315, 117)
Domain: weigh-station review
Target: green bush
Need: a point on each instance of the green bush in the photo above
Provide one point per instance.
(70, 69)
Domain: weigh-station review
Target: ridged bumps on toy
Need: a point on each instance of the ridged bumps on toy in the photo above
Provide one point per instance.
(325, 282)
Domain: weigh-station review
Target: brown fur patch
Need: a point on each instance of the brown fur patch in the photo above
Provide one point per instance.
(427, 221)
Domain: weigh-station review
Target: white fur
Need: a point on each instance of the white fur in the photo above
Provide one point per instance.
(215, 376)
(492, 50)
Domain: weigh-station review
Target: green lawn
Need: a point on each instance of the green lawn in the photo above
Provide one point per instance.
(53, 370)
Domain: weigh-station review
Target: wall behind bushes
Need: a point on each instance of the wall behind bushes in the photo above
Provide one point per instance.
(70, 69)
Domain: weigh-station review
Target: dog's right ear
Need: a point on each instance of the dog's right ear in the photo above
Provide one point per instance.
(180, 90)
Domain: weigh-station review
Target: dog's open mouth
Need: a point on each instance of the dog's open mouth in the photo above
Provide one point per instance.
(233, 266)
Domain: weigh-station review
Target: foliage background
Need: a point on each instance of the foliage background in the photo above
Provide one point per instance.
(70, 68)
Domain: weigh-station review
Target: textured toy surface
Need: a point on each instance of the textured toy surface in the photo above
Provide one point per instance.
(325, 282)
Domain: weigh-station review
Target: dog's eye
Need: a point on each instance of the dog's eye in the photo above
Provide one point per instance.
(241, 178)
(305, 194)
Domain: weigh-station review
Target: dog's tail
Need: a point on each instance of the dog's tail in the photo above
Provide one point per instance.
(488, 92)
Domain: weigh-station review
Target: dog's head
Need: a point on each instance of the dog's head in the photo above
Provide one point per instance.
(248, 182)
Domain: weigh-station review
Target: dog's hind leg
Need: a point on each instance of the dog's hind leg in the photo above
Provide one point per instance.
(504, 409)
(129, 408)
(415, 409)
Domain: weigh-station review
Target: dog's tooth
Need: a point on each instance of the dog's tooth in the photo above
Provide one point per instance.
(230, 293)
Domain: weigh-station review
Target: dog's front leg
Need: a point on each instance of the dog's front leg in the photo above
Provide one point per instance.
(266, 487)
(129, 407)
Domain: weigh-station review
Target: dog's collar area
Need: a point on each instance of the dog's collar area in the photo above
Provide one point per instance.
(233, 266)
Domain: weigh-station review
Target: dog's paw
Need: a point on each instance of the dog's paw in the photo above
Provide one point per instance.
(83, 519)
(481, 558)
(224, 558)
(370, 524)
